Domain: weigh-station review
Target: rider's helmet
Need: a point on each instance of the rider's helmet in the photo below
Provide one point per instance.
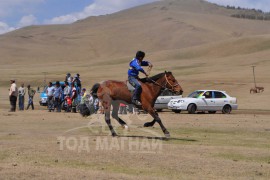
(140, 54)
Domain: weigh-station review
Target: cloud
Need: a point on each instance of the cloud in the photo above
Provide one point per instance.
(9, 7)
(98, 7)
(27, 21)
(258, 4)
(4, 28)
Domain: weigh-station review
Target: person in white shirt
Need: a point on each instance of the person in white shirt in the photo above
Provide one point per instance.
(13, 93)
(50, 91)
(21, 97)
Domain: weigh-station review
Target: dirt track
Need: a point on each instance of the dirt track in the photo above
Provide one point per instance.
(41, 145)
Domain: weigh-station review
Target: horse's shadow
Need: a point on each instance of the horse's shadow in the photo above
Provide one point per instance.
(160, 138)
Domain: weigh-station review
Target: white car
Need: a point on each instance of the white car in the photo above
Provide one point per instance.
(204, 100)
(164, 98)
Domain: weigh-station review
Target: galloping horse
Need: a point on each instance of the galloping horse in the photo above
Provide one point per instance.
(112, 92)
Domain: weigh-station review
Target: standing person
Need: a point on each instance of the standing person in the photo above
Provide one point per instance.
(13, 93)
(67, 89)
(31, 94)
(78, 83)
(50, 91)
(122, 108)
(68, 78)
(133, 75)
(74, 95)
(21, 97)
(57, 96)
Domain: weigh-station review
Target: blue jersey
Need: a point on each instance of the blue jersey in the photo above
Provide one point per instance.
(135, 67)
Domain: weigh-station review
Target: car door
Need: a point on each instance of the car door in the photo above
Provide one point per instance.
(208, 102)
(220, 100)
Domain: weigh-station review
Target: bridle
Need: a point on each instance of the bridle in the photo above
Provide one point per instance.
(167, 82)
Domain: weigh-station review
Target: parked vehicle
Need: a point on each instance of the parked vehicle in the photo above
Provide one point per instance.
(164, 98)
(205, 100)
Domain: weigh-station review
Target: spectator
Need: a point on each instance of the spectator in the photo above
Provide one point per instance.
(73, 92)
(68, 78)
(31, 94)
(13, 93)
(67, 89)
(122, 109)
(50, 91)
(21, 97)
(77, 82)
(83, 93)
(57, 96)
(73, 97)
(83, 96)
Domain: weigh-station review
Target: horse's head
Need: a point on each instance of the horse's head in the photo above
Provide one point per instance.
(172, 83)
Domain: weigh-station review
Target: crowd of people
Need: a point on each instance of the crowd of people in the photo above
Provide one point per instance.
(67, 96)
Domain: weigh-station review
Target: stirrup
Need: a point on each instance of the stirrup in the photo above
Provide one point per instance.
(136, 102)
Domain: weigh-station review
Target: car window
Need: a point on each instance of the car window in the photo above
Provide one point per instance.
(195, 94)
(208, 94)
(166, 92)
(219, 94)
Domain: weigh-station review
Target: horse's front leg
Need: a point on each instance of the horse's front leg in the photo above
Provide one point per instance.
(154, 114)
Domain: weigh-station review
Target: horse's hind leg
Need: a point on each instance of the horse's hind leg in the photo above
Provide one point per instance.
(115, 115)
(107, 111)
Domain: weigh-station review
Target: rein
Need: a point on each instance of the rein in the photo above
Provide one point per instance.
(164, 87)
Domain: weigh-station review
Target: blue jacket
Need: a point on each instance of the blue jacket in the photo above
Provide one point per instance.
(135, 67)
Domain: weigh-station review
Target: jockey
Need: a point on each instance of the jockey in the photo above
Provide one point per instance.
(133, 74)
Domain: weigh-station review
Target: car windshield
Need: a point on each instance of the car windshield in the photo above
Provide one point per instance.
(195, 94)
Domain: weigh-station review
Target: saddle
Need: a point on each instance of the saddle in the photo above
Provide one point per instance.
(129, 86)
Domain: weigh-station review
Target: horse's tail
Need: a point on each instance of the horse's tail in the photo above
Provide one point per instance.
(88, 108)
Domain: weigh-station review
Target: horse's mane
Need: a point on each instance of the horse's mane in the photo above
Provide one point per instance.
(154, 78)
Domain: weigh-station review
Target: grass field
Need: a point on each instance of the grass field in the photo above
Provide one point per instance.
(234, 146)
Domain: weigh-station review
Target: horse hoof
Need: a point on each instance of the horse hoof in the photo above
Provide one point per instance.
(125, 127)
(114, 135)
(167, 135)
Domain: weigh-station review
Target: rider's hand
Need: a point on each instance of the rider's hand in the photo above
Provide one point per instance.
(146, 74)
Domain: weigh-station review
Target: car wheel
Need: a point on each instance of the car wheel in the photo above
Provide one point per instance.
(191, 108)
(227, 109)
(177, 111)
(212, 112)
(159, 110)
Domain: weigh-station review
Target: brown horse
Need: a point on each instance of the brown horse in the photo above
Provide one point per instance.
(112, 92)
(253, 90)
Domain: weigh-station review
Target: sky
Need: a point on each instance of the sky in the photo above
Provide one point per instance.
(15, 14)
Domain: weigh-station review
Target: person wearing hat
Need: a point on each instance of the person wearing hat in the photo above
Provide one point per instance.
(31, 93)
(78, 83)
(133, 75)
(13, 93)
(68, 78)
